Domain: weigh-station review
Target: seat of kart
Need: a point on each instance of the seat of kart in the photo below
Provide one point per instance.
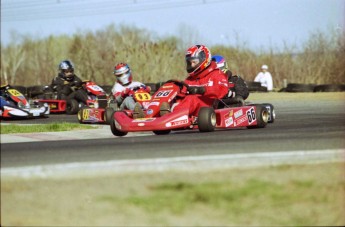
(228, 102)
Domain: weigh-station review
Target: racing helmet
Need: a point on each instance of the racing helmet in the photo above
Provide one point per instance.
(66, 68)
(123, 73)
(198, 57)
(221, 63)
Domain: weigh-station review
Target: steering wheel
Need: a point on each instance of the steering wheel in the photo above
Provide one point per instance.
(138, 87)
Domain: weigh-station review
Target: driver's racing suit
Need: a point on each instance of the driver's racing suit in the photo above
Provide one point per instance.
(215, 83)
(122, 94)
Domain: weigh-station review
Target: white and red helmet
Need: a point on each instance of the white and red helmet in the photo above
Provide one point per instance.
(123, 73)
(198, 57)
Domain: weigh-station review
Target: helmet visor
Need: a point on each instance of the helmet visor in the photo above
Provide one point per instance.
(124, 77)
(66, 71)
(192, 63)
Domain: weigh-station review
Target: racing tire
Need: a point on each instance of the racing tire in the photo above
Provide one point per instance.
(253, 86)
(271, 112)
(81, 115)
(35, 91)
(162, 132)
(300, 87)
(329, 88)
(261, 114)
(72, 107)
(114, 130)
(207, 119)
(108, 113)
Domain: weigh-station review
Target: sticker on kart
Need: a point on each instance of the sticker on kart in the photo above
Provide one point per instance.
(251, 115)
(179, 121)
(142, 96)
(15, 92)
(143, 120)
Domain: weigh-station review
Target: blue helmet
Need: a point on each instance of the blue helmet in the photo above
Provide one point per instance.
(221, 63)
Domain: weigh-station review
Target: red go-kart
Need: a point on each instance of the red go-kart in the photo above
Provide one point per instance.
(95, 95)
(103, 113)
(208, 119)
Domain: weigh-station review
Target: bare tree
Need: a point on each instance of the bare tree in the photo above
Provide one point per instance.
(11, 59)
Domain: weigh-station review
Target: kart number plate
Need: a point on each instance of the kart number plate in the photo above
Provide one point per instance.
(142, 97)
(14, 92)
(163, 93)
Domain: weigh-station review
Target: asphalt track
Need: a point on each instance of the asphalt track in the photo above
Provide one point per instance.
(299, 126)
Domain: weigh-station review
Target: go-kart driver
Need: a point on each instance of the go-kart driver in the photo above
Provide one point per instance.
(238, 89)
(124, 85)
(67, 84)
(3, 96)
(206, 82)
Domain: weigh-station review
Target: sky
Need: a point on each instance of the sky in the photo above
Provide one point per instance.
(257, 24)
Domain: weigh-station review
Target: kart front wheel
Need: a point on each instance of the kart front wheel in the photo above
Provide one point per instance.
(109, 112)
(72, 107)
(113, 128)
(207, 119)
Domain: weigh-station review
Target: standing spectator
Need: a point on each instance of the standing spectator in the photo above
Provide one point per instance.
(265, 78)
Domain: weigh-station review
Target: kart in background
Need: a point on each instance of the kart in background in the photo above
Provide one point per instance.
(208, 119)
(104, 111)
(14, 105)
(95, 95)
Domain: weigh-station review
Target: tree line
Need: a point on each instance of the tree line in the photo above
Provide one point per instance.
(32, 61)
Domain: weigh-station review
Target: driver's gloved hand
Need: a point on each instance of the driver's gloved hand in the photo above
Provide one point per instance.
(192, 90)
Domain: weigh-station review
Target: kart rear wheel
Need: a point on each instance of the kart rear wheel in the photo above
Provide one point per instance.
(108, 113)
(72, 106)
(162, 132)
(114, 130)
(207, 119)
(81, 115)
(261, 117)
(271, 112)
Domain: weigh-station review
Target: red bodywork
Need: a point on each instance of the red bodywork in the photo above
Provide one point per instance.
(59, 105)
(56, 106)
(232, 117)
(97, 114)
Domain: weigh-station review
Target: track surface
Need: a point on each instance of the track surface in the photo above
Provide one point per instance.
(298, 126)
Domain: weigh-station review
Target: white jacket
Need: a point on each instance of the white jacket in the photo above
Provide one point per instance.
(265, 78)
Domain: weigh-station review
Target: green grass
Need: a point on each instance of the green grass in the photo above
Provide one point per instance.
(53, 127)
(289, 195)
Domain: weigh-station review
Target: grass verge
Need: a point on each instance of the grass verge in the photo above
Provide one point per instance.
(288, 195)
(53, 127)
